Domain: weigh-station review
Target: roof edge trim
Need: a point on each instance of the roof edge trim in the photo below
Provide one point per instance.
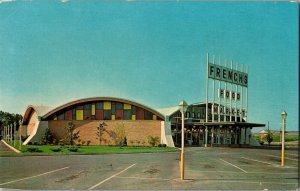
(79, 101)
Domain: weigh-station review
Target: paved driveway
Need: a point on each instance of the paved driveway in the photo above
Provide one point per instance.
(5, 151)
(206, 168)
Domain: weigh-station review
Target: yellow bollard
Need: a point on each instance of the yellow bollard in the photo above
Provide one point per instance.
(182, 166)
(282, 156)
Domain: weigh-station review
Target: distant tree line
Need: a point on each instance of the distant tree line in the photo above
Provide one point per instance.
(10, 119)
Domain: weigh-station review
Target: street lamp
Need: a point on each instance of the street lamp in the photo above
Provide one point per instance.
(183, 107)
(283, 117)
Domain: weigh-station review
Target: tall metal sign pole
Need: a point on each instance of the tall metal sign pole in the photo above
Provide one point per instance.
(232, 96)
(183, 107)
(283, 116)
(207, 62)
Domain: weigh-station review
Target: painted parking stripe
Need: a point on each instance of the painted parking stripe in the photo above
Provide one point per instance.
(287, 158)
(260, 161)
(33, 176)
(211, 180)
(216, 171)
(234, 165)
(250, 182)
(274, 165)
(111, 177)
(291, 154)
(141, 178)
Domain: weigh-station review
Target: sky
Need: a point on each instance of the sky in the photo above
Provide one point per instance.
(154, 53)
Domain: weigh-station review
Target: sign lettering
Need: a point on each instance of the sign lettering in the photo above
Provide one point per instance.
(227, 75)
(229, 94)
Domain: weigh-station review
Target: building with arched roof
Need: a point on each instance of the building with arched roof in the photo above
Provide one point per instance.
(137, 120)
(198, 132)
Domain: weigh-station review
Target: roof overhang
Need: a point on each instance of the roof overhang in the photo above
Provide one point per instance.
(95, 99)
(237, 124)
(39, 109)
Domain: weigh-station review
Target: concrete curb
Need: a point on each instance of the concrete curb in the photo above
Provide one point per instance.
(12, 148)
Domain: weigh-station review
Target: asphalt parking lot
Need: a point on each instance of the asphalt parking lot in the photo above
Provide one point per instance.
(205, 169)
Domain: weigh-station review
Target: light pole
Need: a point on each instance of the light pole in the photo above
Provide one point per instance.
(183, 107)
(283, 117)
(14, 124)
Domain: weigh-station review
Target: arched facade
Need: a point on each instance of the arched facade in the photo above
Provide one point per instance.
(103, 109)
(31, 118)
(137, 121)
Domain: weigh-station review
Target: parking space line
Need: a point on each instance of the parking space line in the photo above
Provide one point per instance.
(234, 165)
(215, 171)
(33, 176)
(291, 154)
(260, 161)
(141, 178)
(284, 157)
(111, 177)
(251, 182)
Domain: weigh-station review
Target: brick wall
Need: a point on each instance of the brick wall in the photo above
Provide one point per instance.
(135, 131)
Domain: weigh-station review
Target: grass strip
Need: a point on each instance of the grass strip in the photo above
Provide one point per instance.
(53, 150)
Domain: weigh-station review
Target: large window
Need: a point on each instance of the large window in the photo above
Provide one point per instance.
(104, 110)
(107, 114)
(139, 114)
(99, 114)
(68, 115)
(148, 115)
(119, 114)
(87, 111)
(127, 114)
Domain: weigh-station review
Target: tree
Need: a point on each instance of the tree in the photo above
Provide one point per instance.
(118, 135)
(48, 137)
(269, 137)
(71, 135)
(153, 140)
(100, 131)
(7, 119)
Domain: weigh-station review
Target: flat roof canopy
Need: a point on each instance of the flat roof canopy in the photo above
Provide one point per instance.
(241, 124)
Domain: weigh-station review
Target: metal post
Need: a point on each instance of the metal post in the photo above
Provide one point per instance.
(206, 130)
(224, 135)
(213, 94)
(20, 136)
(182, 146)
(219, 134)
(219, 115)
(282, 145)
(15, 124)
(206, 116)
(225, 104)
(235, 135)
(199, 136)
(183, 108)
(245, 141)
(4, 132)
(283, 114)
(236, 89)
(231, 99)
(246, 119)
(230, 134)
(241, 100)
(212, 136)
(11, 132)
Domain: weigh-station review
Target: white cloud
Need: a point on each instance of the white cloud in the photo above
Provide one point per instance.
(6, 1)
